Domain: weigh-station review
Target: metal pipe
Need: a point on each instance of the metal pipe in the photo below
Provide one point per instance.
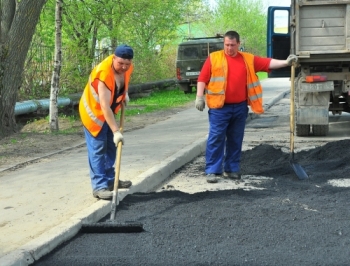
(35, 105)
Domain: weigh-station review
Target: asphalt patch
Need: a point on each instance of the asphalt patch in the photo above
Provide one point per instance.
(287, 222)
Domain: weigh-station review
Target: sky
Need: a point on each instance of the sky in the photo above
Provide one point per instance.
(267, 3)
(276, 2)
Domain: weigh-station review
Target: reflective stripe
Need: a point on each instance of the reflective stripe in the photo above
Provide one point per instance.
(216, 93)
(93, 92)
(217, 79)
(255, 97)
(255, 84)
(91, 114)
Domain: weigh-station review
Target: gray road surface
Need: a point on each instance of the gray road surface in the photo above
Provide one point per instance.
(267, 218)
(154, 153)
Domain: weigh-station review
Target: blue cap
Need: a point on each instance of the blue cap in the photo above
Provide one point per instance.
(124, 51)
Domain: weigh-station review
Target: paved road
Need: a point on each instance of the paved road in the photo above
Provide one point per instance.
(268, 218)
(53, 204)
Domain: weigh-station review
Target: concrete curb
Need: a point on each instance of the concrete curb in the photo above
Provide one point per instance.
(276, 99)
(148, 180)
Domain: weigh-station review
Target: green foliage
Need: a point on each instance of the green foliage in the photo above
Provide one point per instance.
(150, 30)
(92, 29)
(39, 62)
(244, 16)
(194, 13)
(45, 29)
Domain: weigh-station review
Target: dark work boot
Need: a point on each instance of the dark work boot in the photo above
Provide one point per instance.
(121, 184)
(232, 175)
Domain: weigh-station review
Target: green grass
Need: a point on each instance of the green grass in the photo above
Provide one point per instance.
(262, 75)
(159, 100)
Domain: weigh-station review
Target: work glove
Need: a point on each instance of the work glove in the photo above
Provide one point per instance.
(292, 58)
(200, 103)
(127, 99)
(117, 136)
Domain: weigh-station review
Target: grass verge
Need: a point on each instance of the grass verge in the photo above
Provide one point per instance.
(159, 100)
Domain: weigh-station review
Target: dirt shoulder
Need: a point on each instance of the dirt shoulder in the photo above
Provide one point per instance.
(34, 140)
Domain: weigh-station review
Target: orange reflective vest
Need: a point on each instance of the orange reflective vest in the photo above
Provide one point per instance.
(89, 106)
(216, 88)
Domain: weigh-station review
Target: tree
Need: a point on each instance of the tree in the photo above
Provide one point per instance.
(194, 12)
(244, 16)
(18, 20)
(149, 29)
(81, 27)
(147, 25)
(55, 81)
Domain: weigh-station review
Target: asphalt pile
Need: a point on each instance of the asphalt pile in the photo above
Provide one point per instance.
(321, 163)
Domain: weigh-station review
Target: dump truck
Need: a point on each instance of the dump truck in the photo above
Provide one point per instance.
(190, 57)
(318, 32)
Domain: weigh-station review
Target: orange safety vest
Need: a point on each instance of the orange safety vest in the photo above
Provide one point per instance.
(216, 88)
(89, 106)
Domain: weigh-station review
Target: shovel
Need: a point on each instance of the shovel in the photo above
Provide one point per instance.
(298, 170)
(112, 226)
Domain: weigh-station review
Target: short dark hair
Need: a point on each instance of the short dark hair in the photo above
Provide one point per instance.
(231, 34)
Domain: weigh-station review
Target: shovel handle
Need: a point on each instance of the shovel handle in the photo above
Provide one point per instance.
(117, 167)
(292, 112)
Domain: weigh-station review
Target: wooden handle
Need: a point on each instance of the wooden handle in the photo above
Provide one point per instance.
(292, 114)
(117, 167)
(119, 149)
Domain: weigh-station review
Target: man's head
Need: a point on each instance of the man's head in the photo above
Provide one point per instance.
(231, 43)
(124, 51)
(122, 58)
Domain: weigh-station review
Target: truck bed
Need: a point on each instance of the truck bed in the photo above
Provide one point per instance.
(322, 27)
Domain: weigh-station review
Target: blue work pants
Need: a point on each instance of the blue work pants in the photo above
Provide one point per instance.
(101, 154)
(226, 132)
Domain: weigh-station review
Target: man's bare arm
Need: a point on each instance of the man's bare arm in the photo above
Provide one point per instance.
(105, 98)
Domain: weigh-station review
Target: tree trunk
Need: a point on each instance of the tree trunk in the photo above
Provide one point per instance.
(55, 81)
(18, 21)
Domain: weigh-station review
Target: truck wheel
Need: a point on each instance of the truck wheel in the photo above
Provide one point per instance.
(302, 130)
(320, 130)
(186, 88)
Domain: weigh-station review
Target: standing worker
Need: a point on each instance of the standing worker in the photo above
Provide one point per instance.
(102, 98)
(229, 79)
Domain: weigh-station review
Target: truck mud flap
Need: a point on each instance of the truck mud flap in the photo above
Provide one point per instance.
(312, 116)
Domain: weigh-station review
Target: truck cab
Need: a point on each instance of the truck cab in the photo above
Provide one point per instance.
(191, 55)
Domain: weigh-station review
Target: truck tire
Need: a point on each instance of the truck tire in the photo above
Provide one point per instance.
(302, 130)
(186, 88)
(320, 130)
